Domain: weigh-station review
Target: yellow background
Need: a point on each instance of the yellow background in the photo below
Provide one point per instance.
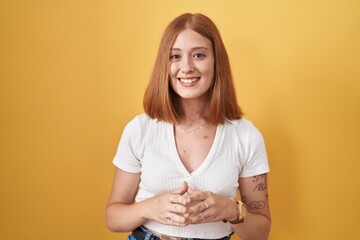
(73, 73)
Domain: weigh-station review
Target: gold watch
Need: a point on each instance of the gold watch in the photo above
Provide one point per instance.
(241, 213)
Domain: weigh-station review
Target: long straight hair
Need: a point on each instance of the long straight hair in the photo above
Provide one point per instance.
(160, 100)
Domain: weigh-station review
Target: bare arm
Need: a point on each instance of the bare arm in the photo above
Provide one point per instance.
(254, 193)
(123, 215)
(211, 207)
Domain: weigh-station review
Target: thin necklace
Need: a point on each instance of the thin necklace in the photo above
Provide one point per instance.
(191, 131)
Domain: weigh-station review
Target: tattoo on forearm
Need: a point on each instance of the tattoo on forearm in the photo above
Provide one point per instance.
(258, 177)
(262, 185)
(256, 205)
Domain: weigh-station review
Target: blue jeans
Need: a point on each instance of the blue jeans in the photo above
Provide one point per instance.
(150, 236)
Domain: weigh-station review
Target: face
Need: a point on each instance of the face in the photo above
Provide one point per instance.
(191, 65)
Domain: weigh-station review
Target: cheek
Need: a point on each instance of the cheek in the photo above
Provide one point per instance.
(208, 70)
(206, 67)
(173, 69)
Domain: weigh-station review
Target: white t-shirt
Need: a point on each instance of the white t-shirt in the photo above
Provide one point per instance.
(148, 146)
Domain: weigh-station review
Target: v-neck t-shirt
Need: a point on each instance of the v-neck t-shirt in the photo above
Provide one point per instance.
(148, 147)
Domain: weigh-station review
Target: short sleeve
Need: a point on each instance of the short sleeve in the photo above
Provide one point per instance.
(256, 161)
(127, 156)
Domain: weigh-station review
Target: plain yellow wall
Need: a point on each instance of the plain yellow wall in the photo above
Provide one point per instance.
(74, 72)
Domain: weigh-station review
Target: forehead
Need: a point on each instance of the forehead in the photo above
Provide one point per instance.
(188, 39)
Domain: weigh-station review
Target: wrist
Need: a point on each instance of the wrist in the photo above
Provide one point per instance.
(233, 212)
(146, 207)
(241, 214)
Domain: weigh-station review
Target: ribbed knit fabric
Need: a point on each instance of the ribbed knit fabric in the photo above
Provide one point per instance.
(148, 146)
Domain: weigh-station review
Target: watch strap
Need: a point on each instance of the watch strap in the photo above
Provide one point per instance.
(241, 213)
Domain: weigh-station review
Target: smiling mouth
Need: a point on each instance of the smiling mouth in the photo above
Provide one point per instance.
(188, 80)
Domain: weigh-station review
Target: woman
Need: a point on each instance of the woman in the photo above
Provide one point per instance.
(179, 165)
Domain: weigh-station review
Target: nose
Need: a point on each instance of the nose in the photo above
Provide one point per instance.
(187, 65)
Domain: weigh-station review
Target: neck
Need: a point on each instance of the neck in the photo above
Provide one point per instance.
(194, 111)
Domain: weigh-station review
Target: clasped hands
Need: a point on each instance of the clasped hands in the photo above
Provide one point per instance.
(186, 206)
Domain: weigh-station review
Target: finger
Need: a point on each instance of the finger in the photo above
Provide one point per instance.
(196, 196)
(190, 190)
(175, 219)
(183, 189)
(197, 208)
(178, 208)
(206, 215)
(177, 199)
(201, 217)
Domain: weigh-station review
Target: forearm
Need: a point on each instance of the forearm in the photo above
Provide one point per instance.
(256, 227)
(122, 217)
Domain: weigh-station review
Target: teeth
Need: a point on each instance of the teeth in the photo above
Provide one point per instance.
(188, 80)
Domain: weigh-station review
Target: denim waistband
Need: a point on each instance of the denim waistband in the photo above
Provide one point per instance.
(143, 234)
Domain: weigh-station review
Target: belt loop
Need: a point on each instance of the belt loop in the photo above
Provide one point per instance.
(149, 235)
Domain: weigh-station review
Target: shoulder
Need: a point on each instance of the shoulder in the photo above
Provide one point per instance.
(139, 125)
(141, 121)
(243, 128)
(251, 147)
(245, 133)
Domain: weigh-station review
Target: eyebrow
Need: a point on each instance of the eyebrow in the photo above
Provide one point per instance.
(194, 48)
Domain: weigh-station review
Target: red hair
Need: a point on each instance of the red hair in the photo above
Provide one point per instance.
(162, 103)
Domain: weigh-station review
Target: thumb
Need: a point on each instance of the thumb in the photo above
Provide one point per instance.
(190, 190)
(183, 189)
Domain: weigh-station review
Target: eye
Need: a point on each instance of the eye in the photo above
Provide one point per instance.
(199, 55)
(175, 57)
